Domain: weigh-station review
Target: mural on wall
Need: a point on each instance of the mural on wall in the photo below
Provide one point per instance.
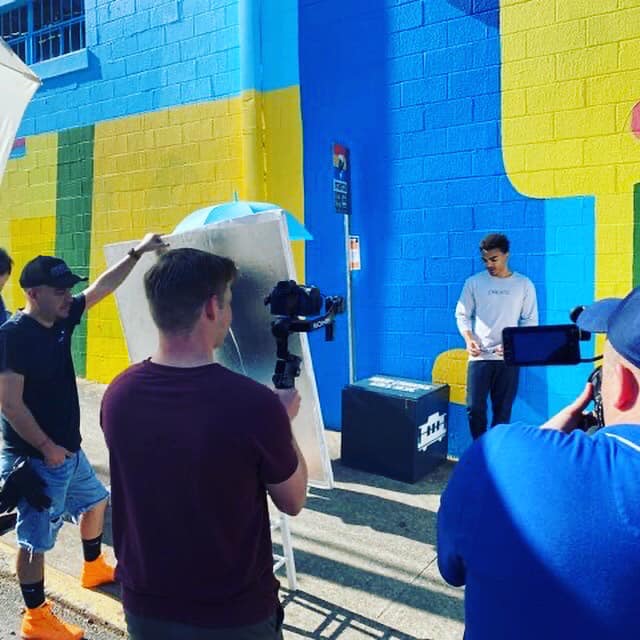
(462, 118)
(142, 145)
(571, 72)
(419, 102)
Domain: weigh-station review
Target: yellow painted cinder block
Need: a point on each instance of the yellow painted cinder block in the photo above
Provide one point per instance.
(515, 102)
(588, 62)
(590, 95)
(594, 122)
(612, 88)
(562, 96)
(29, 237)
(614, 26)
(573, 9)
(529, 128)
(530, 72)
(522, 16)
(283, 158)
(28, 192)
(546, 40)
(450, 367)
(563, 155)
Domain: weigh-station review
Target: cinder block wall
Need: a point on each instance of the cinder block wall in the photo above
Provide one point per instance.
(462, 116)
(484, 116)
(170, 115)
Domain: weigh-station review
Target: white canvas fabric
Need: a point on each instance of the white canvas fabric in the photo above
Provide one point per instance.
(17, 86)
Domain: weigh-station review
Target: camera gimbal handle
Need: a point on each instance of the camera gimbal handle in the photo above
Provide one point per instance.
(288, 364)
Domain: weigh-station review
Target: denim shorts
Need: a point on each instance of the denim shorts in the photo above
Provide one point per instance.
(73, 488)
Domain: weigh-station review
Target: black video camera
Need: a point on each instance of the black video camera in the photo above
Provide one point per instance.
(297, 308)
(555, 344)
(294, 300)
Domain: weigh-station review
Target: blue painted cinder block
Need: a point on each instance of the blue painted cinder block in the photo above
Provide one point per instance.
(474, 82)
(486, 107)
(452, 59)
(422, 144)
(451, 165)
(403, 320)
(417, 40)
(464, 30)
(473, 136)
(407, 171)
(406, 119)
(406, 68)
(405, 16)
(448, 113)
(423, 91)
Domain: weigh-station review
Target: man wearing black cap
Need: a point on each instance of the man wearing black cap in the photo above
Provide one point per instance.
(41, 422)
(542, 525)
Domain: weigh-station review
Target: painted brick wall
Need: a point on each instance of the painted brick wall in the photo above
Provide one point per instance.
(144, 55)
(571, 72)
(416, 94)
(171, 115)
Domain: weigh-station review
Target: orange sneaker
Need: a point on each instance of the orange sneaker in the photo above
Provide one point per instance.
(41, 624)
(96, 572)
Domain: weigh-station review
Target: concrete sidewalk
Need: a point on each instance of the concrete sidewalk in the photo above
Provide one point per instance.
(364, 551)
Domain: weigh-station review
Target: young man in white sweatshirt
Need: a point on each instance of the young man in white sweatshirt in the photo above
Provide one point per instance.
(490, 301)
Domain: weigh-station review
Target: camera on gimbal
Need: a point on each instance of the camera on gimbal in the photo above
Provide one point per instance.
(555, 344)
(297, 309)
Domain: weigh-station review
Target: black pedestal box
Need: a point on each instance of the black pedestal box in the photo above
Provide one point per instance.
(395, 427)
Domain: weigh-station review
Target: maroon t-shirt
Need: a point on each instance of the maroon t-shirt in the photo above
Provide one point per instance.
(191, 450)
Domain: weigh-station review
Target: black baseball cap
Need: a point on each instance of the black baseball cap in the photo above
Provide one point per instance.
(50, 272)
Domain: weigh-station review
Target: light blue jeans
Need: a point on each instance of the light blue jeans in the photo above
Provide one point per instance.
(73, 488)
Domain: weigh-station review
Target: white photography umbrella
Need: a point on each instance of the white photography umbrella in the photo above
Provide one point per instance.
(17, 86)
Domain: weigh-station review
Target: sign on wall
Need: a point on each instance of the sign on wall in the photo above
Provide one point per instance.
(341, 179)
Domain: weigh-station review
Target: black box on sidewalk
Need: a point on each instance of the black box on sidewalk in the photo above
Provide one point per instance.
(395, 427)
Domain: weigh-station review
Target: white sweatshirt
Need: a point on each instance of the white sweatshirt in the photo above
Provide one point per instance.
(488, 304)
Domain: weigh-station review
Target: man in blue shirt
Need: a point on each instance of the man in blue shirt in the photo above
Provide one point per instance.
(542, 525)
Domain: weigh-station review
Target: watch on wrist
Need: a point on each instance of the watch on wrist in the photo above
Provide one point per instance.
(132, 253)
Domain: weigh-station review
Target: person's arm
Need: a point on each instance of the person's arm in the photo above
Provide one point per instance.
(572, 416)
(23, 422)
(450, 561)
(289, 496)
(111, 279)
(529, 312)
(465, 310)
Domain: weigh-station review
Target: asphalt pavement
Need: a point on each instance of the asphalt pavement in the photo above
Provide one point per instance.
(364, 552)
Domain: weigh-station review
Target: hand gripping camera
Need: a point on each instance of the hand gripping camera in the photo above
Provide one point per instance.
(298, 308)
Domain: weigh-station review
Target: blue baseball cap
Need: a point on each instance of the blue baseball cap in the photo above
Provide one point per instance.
(619, 318)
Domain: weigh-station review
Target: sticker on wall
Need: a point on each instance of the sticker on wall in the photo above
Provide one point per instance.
(433, 430)
(354, 253)
(341, 179)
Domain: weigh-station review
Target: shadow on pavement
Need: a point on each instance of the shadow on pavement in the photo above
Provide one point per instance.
(378, 513)
(328, 620)
(372, 582)
(432, 484)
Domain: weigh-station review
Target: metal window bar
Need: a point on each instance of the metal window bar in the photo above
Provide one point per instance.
(45, 29)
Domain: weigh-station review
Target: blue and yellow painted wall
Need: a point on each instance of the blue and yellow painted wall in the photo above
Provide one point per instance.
(462, 116)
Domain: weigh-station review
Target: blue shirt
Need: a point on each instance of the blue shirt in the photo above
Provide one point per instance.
(544, 530)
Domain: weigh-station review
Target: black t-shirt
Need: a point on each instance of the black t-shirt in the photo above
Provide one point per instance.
(43, 356)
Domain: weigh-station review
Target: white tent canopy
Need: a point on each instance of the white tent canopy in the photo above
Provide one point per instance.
(17, 86)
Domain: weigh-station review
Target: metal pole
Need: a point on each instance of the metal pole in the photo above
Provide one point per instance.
(350, 332)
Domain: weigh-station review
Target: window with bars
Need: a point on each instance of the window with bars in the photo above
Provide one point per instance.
(40, 30)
